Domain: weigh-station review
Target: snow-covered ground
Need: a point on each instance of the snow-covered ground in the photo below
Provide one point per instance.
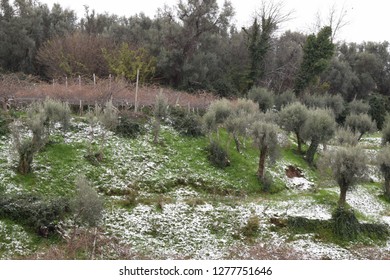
(182, 229)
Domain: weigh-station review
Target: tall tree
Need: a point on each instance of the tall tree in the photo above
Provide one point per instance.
(259, 37)
(317, 52)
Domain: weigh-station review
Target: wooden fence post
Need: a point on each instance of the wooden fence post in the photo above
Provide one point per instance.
(136, 93)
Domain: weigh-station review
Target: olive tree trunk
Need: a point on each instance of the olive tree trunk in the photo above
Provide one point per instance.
(312, 151)
(262, 157)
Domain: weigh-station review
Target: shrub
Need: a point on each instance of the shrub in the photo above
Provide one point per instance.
(345, 224)
(186, 123)
(129, 126)
(56, 111)
(251, 229)
(263, 97)
(33, 211)
(86, 206)
(218, 155)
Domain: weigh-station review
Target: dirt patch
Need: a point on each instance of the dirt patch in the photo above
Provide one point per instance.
(293, 172)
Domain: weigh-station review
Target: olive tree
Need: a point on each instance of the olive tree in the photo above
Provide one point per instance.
(238, 122)
(216, 115)
(40, 119)
(386, 132)
(360, 123)
(319, 128)
(292, 118)
(262, 96)
(265, 137)
(345, 137)
(358, 107)
(383, 160)
(348, 167)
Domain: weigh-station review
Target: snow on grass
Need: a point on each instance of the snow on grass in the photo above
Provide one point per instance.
(14, 241)
(314, 250)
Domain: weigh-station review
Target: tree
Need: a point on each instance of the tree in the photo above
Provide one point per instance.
(348, 166)
(319, 127)
(238, 122)
(292, 119)
(263, 97)
(265, 137)
(360, 123)
(386, 132)
(383, 160)
(286, 56)
(40, 118)
(216, 115)
(259, 37)
(75, 54)
(317, 52)
(125, 62)
(183, 31)
(358, 107)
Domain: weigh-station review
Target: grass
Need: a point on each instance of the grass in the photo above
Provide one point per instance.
(172, 185)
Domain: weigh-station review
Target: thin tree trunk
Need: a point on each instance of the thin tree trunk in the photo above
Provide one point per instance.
(387, 187)
(237, 142)
(343, 196)
(299, 142)
(156, 130)
(311, 152)
(263, 155)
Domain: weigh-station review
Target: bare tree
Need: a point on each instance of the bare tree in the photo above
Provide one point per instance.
(336, 18)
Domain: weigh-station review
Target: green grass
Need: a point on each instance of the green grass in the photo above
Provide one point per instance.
(179, 161)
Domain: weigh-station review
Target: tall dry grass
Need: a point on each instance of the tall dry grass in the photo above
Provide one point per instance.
(22, 92)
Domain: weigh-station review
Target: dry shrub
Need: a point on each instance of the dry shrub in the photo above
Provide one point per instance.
(121, 92)
(88, 244)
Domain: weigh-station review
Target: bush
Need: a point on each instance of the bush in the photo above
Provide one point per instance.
(345, 224)
(251, 229)
(33, 211)
(86, 206)
(186, 123)
(56, 111)
(129, 126)
(218, 155)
